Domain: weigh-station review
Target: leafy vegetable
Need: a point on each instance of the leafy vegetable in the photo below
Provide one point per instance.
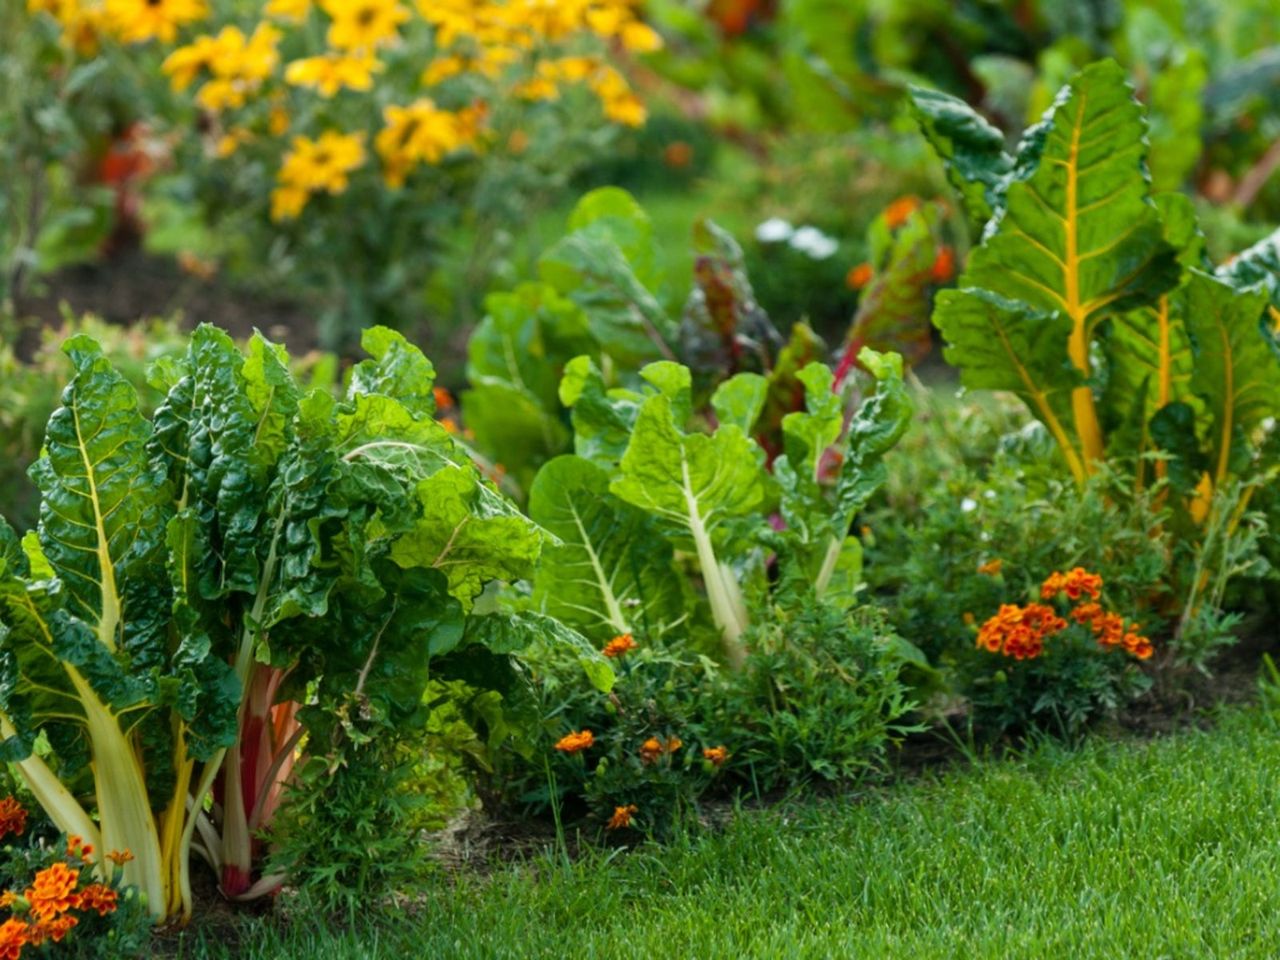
(207, 587)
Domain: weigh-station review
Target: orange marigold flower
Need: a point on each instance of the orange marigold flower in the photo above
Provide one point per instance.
(8, 899)
(1080, 582)
(717, 755)
(859, 276)
(944, 265)
(620, 645)
(576, 742)
(13, 817)
(119, 857)
(621, 817)
(896, 214)
(1087, 613)
(100, 897)
(444, 399)
(1020, 632)
(651, 750)
(1109, 629)
(677, 155)
(14, 935)
(1052, 586)
(53, 928)
(992, 568)
(53, 891)
(1143, 649)
(674, 744)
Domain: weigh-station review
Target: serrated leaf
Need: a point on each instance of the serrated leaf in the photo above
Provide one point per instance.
(1077, 239)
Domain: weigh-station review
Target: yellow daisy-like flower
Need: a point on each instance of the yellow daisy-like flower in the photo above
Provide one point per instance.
(137, 21)
(287, 202)
(363, 24)
(418, 133)
(331, 72)
(323, 163)
(295, 10)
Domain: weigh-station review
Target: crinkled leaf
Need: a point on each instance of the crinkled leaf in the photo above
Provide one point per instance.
(509, 633)
(893, 311)
(972, 150)
(397, 369)
(469, 532)
(723, 329)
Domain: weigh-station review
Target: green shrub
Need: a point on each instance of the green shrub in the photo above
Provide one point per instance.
(819, 698)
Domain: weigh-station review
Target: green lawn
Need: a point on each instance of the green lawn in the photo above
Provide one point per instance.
(1160, 849)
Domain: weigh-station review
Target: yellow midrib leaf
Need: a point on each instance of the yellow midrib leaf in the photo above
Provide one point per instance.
(110, 615)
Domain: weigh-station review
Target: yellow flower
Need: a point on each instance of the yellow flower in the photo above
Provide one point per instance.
(640, 38)
(185, 63)
(239, 65)
(295, 10)
(537, 88)
(363, 24)
(231, 141)
(287, 202)
(137, 21)
(442, 69)
(627, 110)
(323, 163)
(277, 120)
(331, 72)
(418, 133)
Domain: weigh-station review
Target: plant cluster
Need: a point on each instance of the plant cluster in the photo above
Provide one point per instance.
(251, 578)
(377, 112)
(59, 901)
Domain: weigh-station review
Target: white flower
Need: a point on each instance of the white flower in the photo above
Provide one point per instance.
(968, 504)
(774, 230)
(814, 242)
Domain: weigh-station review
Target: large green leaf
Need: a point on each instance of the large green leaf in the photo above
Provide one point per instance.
(972, 150)
(105, 506)
(693, 481)
(611, 572)
(396, 369)
(1078, 239)
(1000, 344)
(1257, 266)
(602, 418)
(470, 532)
(606, 266)
(1237, 370)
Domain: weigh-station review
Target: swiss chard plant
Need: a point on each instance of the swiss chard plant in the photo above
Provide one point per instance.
(208, 589)
(1092, 300)
(654, 490)
(600, 294)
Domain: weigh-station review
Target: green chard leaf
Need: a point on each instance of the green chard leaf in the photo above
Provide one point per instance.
(606, 266)
(1077, 240)
(972, 150)
(1237, 368)
(611, 572)
(396, 369)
